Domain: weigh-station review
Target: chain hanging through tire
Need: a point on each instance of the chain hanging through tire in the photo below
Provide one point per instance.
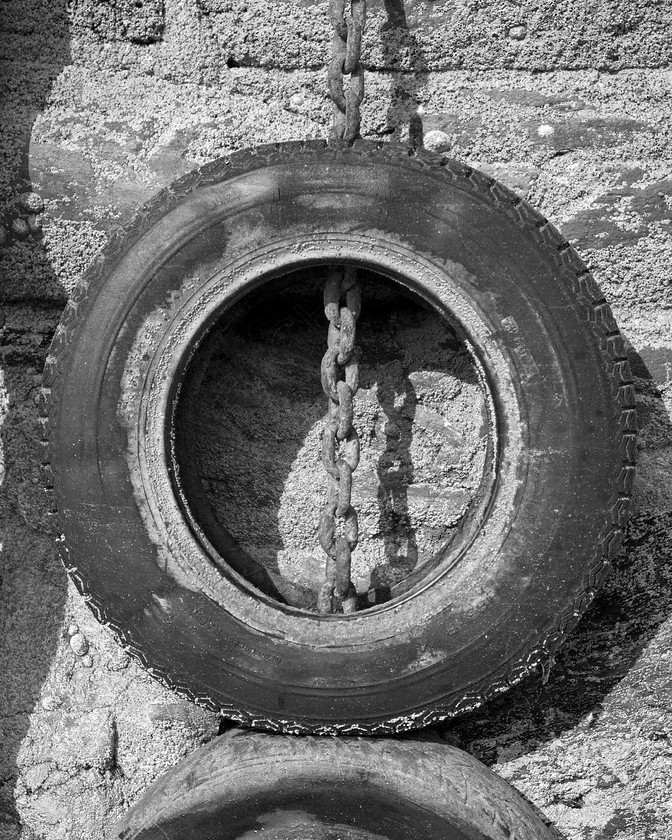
(139, 536)
(338, 526)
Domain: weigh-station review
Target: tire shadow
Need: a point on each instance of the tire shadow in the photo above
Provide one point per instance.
(35, 41)
(614, 632)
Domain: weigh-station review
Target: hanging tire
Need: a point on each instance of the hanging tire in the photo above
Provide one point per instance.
(349, 787)
(541, 527)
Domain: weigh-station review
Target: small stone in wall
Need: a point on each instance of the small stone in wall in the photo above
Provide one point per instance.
(118, 662)
(296, 101)
(437, 141)
(79, 644)
(518, 33)
(34, 777)
(20, 228)
(31, 202)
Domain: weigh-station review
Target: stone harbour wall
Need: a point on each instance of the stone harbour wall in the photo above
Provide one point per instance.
(103, 103)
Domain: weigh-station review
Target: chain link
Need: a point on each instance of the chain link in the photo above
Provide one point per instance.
(338, 527)
(346, 61)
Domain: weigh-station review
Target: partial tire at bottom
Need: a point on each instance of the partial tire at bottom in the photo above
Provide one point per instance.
(243, 784)
(168, 576)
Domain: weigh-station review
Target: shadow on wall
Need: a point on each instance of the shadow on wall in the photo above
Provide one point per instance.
(400, 46)
(636, 599)
(35, 47)
(606, 645)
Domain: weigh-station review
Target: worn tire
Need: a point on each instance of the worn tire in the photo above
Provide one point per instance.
(350, 788)
(563, 411)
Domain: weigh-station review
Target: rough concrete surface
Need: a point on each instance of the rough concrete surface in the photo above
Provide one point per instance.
(252, 437)
(103, 104)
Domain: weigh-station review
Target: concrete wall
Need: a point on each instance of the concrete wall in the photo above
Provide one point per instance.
(106, 102)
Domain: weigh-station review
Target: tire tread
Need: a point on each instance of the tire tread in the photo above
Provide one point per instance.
(597, 314)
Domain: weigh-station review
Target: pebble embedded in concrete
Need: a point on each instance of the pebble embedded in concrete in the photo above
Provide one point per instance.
(79, 644)
(20, 228)
(297, 100)
(31, 202)
(119, 662)
(437, 141)
(518, 33)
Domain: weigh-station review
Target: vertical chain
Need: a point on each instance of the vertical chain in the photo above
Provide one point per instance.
(338, 527)
(345, 61)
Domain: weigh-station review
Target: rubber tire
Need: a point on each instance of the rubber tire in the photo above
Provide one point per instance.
(566, 425)
(351, 788)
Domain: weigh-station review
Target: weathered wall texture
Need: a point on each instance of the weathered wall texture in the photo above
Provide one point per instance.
(104, 103)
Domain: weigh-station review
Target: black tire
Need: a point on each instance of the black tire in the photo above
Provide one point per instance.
(539, 541)
(348, 787)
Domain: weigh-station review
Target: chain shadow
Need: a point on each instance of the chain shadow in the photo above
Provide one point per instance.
(404, 59)
(395, 474)
(36, 46)
(403, 412)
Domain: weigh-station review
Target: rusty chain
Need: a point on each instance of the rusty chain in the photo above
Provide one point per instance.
(345, 61)
(338, 527)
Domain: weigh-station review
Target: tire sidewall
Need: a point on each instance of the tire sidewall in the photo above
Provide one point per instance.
(478, 627)
(217, 782)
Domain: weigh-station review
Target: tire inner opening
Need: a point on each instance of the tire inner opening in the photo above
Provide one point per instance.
(247, 429)
(319, 810)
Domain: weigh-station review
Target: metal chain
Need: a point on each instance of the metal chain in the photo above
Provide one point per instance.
(338, 527)
(345, 61)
